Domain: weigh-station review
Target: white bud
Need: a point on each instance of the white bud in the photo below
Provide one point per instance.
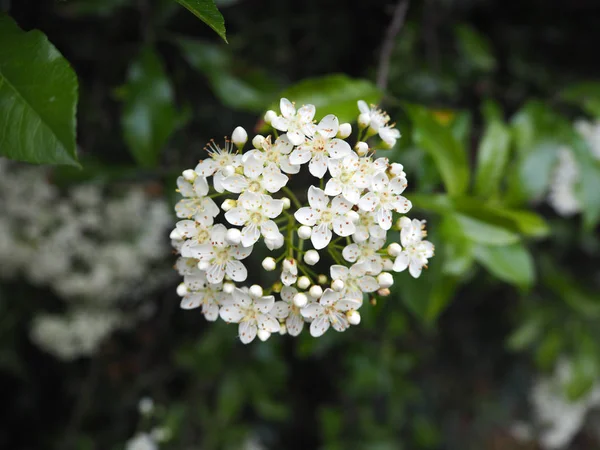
(282, 329)
(397, 169)
(353, 216)
(353, 317)
(322, 279)
(263, 335)
(233, 236)
(182, 290)
(228, 288)
(258, 141)
(388, 264)
(189, 175)
(228, 170)
(288, 264)
(303, 282)
(269, 264)
(311, 257)
(145, 406)
(316, 291)
(286, 203)
(275, 243)
(364, 120)
(239, 137)
(394, 249)
(228, 204)
(300, 300)
(384, 292)
(255, 290)
(344, 130)
(362, 148)
(304, 232)
(385, 280)
(269, 116)
(176, 235)
(338, 285)
(404, 222)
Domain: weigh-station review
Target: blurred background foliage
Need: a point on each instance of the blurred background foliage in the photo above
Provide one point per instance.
(486, 95)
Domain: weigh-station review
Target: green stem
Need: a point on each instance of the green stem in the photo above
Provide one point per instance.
(292, 197)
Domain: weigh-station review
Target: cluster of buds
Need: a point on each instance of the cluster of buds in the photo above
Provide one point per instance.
(345, 217)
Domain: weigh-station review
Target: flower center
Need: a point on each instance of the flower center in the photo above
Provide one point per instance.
(326, 217)
(221, 256)
(254, 186)
(203, 235)
(256, 218)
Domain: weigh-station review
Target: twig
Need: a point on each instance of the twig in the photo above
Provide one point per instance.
(383, 68)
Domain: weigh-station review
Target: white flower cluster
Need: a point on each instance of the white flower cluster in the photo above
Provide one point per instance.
(346, 216)
(562, 195)
(92, 249)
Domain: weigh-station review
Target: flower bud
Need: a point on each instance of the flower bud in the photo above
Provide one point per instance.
(277, 286)
(303, 282)
(384, 292)
(385, 280)
(362, 148)
(269, 264)
(146, 406)
(176, 235)
(300, 300)
(258, 141)
(322, 279)
(233, 236)
(315, 291)
(269, 116)
(228, 288)
(282, 329)
(304, 232)
(228, 170)
(353, 317)
(286, 203)
(344, 130)
(182, 290)
(353, 216)
(394, 249)
(311, 257)
(228, 204)
(274, 243)
(338, 285)
(255, 290)
(397, 170)
(364, 120)
(189, 175)
(404, 222)
(288, 264)
(263, 335)
(239, 137)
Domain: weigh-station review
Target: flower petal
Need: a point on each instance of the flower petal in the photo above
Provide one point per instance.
(295, 137)
(210, 311)
(236, 270)
(368, 284)
(368, 202)
(253, 167)
(317, 198)
(237, 216)
(250, 235)
(343, 226)
(340, 205)
(318, 165)
(267, 322)
(269, 229)
(215, 273)
(273, 179)
(415, 270)
(287, 293)
(338, 148)
(339, 322)
(294, 324)
(271, 208)
(232, 313)
(321, 236)
(312, 310)
(306, 216)
(307, 113)
(379, 182)
(280, 123)
(281, 309)
(300, 156)
(401, 262)
(329, 126)
(338, 272)
(240, 252)
(351, 252)
(247, 331)
(329, 297)
(288, 110)
(319, 326)
(264, 304)
(384, 218)
(363, 107)
(333, 187)
(191, 301)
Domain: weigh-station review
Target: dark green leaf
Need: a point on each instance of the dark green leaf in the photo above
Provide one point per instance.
(550, 349)
(38, 98)
(436, 139)
(149, 117)
(526, 334)
(475, 48)
(492, 158)
(511, 263)
(208, 13)
(332, 94)
(589, 182)
(584, 94)
(481, 232)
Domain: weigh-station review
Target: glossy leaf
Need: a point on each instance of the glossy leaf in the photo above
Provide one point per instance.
(149, 117)
(437, 140)
(38, 98)
(332, 94)
(512, 263)
(481, 232)
(208, 13)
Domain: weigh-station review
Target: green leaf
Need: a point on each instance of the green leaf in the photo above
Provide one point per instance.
(475, 48)
(589, 182)
(492, 158)
(481, 232)
(207, 12)
(149, 117)
(332, 94)
(526, 334)
(511, 263)
(449, 155)
(584, 94)
(235, 85)
(38, 98)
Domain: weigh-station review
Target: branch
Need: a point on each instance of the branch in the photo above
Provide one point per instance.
(383, 68)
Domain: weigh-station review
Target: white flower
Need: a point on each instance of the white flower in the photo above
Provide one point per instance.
(345, 178)
(298, 124)
(257, 178)
(324, 217)
(195, 202)
(254, 212)
(329, 311)
(591, 133)
(367, 169)
(186, 266)
(218, 258)
(321, 147)
(141, 441)
(253, 313)
(289, 274)
(416, 251)
(221, 161)
(365, 253)
(389, 135)
(367, 226)
(273, 243)
(277, 153)
(196, 188)
(384, 198)
(356, 281)
(286, 309)
(378, 121)
(194, 231)
(562, 195)
(201, 292)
